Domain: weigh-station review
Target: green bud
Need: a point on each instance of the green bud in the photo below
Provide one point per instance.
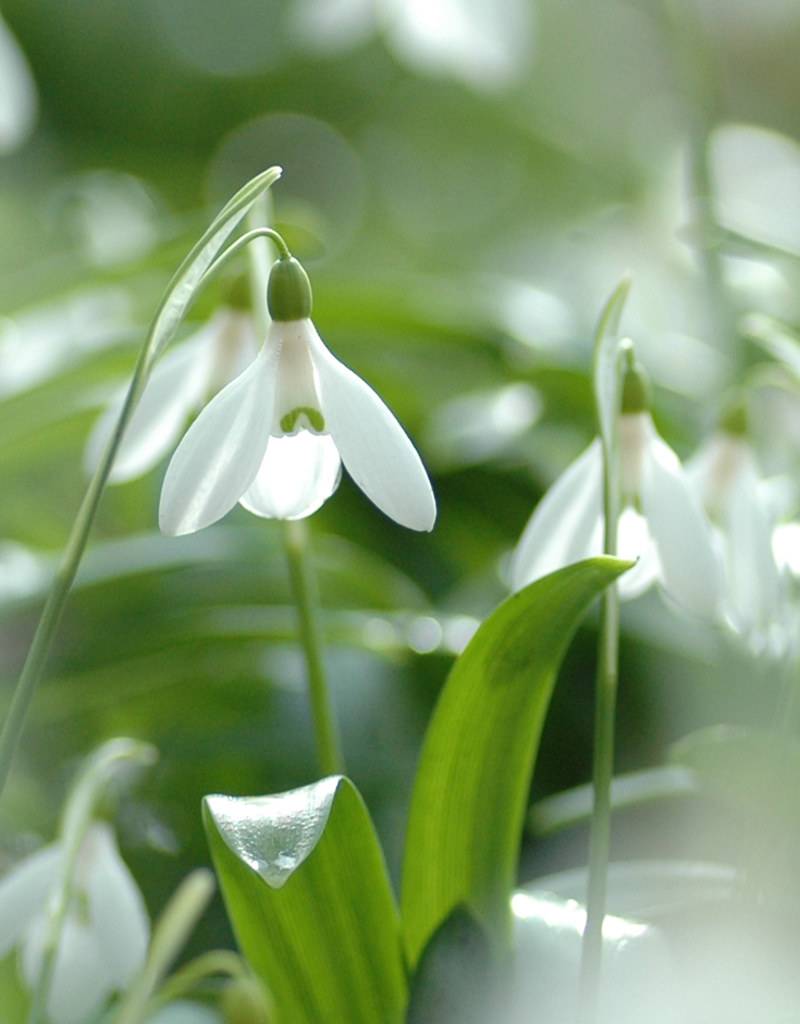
(635, 384)
(244, 1001)
(733, 420)
(289, 290)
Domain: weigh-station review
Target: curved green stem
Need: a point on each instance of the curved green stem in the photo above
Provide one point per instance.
(176, 300)
(304, 587)
(243, 242)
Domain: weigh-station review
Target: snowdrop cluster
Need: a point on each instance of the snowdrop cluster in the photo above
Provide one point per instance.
(662, 523)
(105, 935)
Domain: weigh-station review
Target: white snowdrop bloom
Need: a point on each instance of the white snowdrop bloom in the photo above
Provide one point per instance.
(274, 439)
(18, 99)
(179, 385)
(725, 477)
(486, 43)
(105, 934)
(662, 523)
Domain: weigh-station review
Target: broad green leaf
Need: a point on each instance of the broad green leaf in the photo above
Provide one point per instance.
(306, 889)
(455, 981)
(667, 782)
(468, 805)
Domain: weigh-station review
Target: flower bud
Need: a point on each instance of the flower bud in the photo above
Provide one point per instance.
(635, 385)
(244, 1001)
(289, 290)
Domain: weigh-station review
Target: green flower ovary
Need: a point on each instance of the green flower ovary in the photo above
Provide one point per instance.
(313, 416)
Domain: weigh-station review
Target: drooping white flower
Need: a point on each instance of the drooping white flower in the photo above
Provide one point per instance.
(725, 477)
(274, 439)
(105, 934)
(179, 385)
(661, 524)
(18, 98)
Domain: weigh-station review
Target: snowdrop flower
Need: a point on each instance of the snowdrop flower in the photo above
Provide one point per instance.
(274, 439)
(662, 523)
(18, 99)
(105, 934)
(725, 477)
(179, 385)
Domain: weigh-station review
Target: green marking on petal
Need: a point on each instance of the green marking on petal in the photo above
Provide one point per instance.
(314, 417)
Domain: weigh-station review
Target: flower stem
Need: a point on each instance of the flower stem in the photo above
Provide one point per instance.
(174, 303)
(603, 756)
(602, 774)
(304, 588)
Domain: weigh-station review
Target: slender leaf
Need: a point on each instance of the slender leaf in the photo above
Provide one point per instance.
(468, 805)
(307, 892)
(606, 363)
(752, 769)
(174, 304)
(667, 782)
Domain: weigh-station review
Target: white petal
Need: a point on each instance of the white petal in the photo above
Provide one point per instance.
(18, 100)
(374, 447)
(298, 474)
(116, 908)
(176, 387)
(682, 534)
(635, 542)
(564, 525)
(23, 893)
(219, 457)
(80, 983)
(753, 577)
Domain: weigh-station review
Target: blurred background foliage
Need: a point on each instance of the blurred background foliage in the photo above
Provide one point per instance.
(466, 182)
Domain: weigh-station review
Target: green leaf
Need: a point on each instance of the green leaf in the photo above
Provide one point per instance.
(455, 981)
(468, 805)
(309, 898)
(752, 769)
(775, 338)
(570, 807)
(187, 278)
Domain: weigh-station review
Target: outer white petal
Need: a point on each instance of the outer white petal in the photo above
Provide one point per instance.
(690, 568)
(565, 524)
(18, 100)
(220, 455)
(23, 894)
(80, 983)
(116, 909)
(374, 447)
(753, 577)
(634, 541)
(175, 389)
(298, 474)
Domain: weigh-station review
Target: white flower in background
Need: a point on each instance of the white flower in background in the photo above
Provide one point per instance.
(105, 935)
(725, 477)
(275, 437)
(662, 522)
(18, 101)
(485, 43)
(181, 382)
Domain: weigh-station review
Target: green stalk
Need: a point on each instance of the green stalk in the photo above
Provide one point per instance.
(296, 534)
(608, 354)
(304, 588)
(176, 300)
